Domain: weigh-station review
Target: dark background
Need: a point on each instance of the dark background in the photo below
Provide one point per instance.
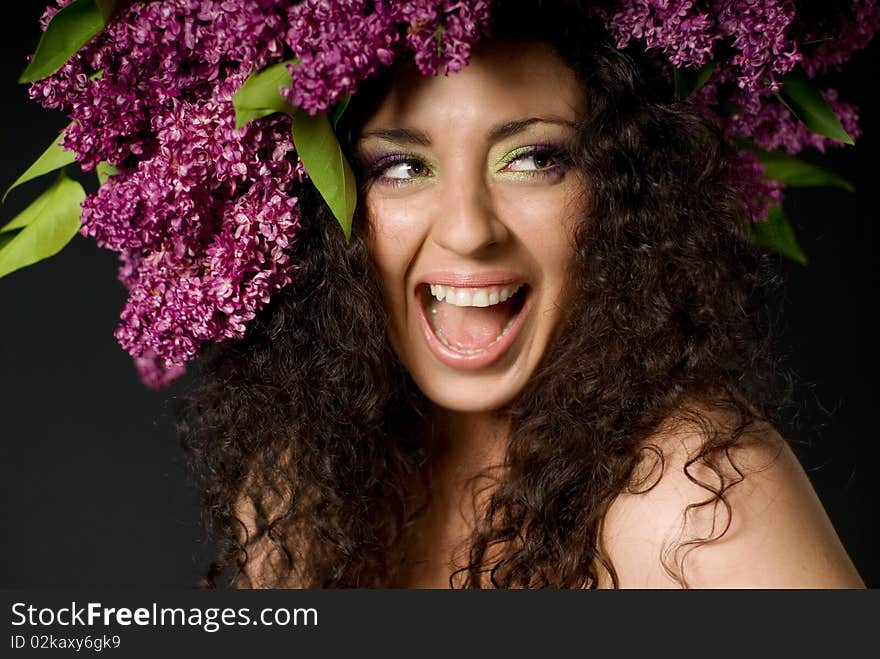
(94, 491)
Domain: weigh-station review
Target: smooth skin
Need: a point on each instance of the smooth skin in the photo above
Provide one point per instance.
(779, 536)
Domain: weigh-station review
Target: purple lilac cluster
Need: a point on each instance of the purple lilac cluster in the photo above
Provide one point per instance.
(682, 30)
(688, 32)
(772, 126)
(763, 46)
(777, 39)
(756, 43)
(203, 215)
(339, 44)
(829, 39)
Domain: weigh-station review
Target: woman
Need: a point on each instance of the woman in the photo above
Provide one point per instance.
(543, 360)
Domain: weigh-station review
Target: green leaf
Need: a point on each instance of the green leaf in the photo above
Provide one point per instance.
(68, 31)
(339, 110)
(777, 234)
(795, 173)
(807, 104)
(326, 165)
(53, 158)
(30, 214)
(260, 95)
(105, 170)
(687, 81)
(44, 227)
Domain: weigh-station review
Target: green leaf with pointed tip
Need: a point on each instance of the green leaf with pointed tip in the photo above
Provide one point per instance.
(795, 173)
(339, 110)
(52, 159)
(260, 95)
(776, 233)
(105, 170)
(68, 31)
(326, 165)
(687, 81)
(43, 228)
(807, 104)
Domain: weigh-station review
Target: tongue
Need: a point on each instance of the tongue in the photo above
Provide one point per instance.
(471, 328)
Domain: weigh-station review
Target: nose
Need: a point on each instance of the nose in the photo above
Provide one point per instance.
(467, 223)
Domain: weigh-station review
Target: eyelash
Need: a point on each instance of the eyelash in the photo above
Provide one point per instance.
(375, 170)
(557, 154)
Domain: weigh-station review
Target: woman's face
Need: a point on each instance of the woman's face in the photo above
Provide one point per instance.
(472, 205)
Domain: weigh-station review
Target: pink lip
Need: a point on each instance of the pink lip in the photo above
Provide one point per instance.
(476, 361)
(474, 280)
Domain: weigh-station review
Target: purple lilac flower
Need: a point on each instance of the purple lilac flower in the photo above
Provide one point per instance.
(176, 302)
(837, 35)
(759, 31)
(201, 214)
(772, 126)
(757, 193)
(677, 27)
(50, 12)
(339, 44)
(153, 53)
(152, 371)
(441, 34)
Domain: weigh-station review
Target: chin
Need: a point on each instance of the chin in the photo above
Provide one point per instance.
(468, 395)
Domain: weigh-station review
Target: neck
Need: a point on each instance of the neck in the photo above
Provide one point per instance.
(462, 445)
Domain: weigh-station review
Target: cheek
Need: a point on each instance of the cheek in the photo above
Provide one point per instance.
(393, 238)
(545, 221)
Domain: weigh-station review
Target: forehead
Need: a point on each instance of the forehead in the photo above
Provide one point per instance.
(502, 80)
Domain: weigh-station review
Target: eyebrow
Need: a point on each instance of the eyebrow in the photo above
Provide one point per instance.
(499, 132)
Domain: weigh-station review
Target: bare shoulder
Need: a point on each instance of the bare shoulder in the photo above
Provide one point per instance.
(767, 530)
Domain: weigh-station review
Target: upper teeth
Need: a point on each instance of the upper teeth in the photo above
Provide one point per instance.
(473, 297)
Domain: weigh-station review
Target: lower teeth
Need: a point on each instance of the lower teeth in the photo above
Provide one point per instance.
(439, 334)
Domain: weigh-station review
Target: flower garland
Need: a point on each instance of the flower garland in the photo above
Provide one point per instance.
(204, 118)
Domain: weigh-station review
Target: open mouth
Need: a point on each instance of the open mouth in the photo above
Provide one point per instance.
(473, 321)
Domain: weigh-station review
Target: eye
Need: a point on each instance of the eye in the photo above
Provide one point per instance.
(396, 169)
(404, 169)
(535, 161)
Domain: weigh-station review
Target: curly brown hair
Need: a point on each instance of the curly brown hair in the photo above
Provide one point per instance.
(307, 437)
